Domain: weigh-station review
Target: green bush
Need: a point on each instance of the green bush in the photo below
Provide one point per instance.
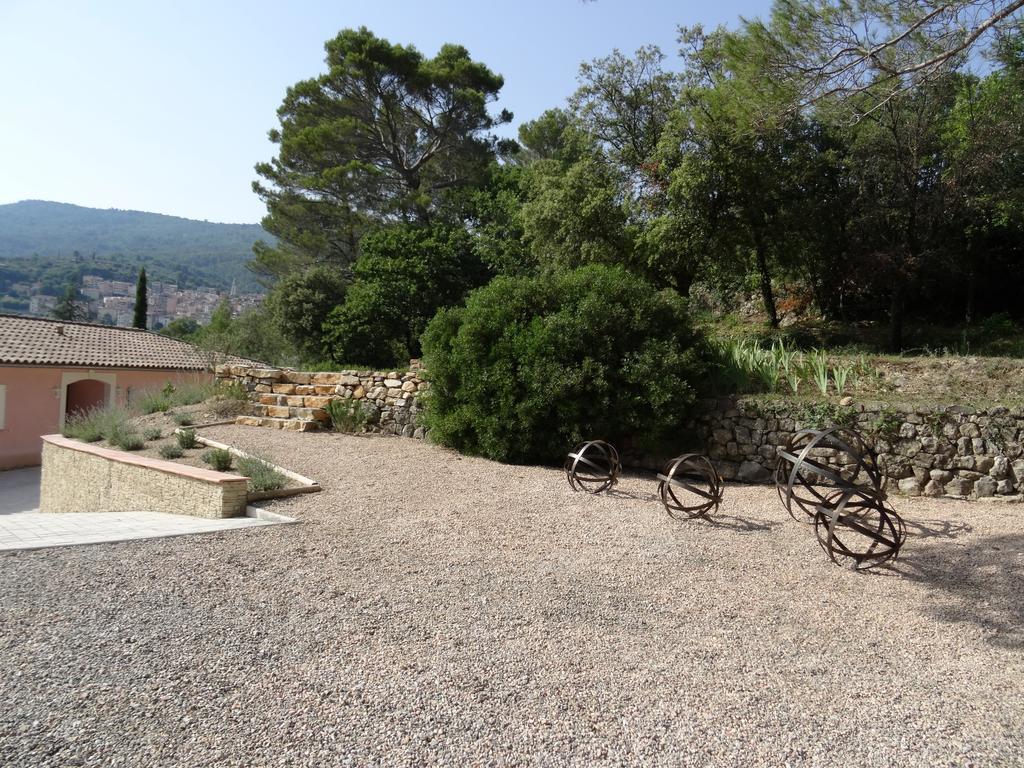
(124, 435)
(171, 451)
(84, 425)
(263, 476)
(347, 415)
(187, 438)
(153, 402)
(152, 433)
(182, 419)
(218, 458)
(533, 365)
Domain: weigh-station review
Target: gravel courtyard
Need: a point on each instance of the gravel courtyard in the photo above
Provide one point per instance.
(432, 609)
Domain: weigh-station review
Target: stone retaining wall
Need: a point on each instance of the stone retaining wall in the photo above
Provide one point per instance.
(935, 451)
(80, 477)
(938, 451)
(297, 400)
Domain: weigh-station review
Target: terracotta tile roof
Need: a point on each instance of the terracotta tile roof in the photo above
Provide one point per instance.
(44, 341)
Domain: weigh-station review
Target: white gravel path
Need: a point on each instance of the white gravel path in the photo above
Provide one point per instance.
(432, 609)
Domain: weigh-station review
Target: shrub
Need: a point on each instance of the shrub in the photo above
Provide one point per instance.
(152, 433)
(218, 458)
(263, 476)
(192, 392)
(171, 451)
(187, 438)
(347, 415)
(124, 435)
(153, 401)
(532, 365)
(182, 419)
(84, 425)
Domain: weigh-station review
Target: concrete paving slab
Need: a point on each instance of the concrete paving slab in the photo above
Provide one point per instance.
(35, 530)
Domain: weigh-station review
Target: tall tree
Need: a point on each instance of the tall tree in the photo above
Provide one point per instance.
(141, 301)
(381, 137)
(827, 49)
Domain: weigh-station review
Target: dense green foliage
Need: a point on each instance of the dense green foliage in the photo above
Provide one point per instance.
(403, 276)
(384, 134)
(47, 242)
(532, 365)
(141, 301)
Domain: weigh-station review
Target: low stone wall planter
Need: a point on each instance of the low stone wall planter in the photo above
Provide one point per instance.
(81, 477)
(305, 484)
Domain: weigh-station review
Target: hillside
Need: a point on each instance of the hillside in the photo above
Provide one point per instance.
(51, 241)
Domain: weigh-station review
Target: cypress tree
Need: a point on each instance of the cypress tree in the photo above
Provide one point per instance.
(141, 301)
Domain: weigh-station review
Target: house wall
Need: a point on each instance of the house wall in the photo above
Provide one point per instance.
(36, 399)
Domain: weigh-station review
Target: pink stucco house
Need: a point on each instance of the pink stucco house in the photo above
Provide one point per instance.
(50, 368)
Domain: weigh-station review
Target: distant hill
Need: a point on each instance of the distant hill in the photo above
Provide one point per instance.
(51, 241)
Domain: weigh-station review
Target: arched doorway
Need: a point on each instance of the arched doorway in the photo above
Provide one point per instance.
(85, 394)
(81, 391)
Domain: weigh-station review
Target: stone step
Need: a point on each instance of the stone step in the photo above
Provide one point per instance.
(294, 425)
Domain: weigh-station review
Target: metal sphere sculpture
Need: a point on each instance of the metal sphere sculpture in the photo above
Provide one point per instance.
(855, 524)
(690, 487)
(848, 507)
(593, 467)
(801, 464)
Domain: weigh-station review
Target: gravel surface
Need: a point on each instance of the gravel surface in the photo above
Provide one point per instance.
(432, 609)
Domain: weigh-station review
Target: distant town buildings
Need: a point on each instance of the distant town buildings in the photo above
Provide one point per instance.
(113, 301)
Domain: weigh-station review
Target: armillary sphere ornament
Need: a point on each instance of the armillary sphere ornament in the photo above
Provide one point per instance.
(848, 507)
(802, 462)
(855, 524)
(690, 487)
(593, 467)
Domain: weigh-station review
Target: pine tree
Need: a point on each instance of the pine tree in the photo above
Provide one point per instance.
(141, 301)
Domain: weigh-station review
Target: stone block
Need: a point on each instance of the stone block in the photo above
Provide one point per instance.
(348, 380)
(297, 377)
(358, 393)
(959, 487)
(284, 389)
(305, 389)
(392, 383)
(1004, 487)
(409, 386)
(933, 488)
(983, 464)
(326, 378)
(278, 411)
(317, 402)
(751, 472)
(1000, 468)
(984, 487)
(295, 401)
(910, 486)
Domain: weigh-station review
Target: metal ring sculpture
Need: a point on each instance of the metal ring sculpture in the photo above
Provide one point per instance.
(689, 473)
(854, 523)
(851, 517)
(593, 467)
(798, 467)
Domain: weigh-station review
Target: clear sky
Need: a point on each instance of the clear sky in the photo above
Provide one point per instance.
(164, 106)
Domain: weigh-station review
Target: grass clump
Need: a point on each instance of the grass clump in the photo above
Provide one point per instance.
(171, 451)
(84, 425)
(152, 433)
(347, 415)
(123, 435)
(218, 458)
(187, 438)
(263, 476)
(182, 419)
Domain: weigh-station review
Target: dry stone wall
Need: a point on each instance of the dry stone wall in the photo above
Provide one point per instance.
(931, 451)
(297, 400)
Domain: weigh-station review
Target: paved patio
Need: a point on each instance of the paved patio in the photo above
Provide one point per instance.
(22, 526)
